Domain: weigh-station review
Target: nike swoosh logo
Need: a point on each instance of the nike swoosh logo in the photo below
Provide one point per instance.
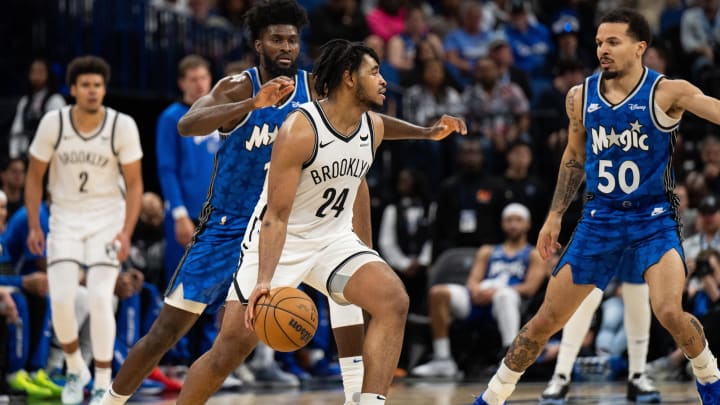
(364, 138)
(357, 360)
(322, 145)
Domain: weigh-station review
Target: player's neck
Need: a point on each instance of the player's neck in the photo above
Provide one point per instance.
(514, 245)
(627, 82)
(343, 116)
(87, 120)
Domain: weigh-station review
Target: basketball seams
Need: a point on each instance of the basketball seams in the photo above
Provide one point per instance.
(271, 333)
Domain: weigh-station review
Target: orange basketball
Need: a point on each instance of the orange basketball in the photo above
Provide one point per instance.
(286, 319)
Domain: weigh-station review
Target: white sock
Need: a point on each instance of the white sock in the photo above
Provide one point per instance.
(113, 398)
(371, 399)
(705, 366)
(574, 332)
(352, 375)
(441, 348)
(501, 385)
(264, 356)
(103, 375)
(636, 299)
(75, 362)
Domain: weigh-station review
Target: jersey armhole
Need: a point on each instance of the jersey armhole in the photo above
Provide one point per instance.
(60, 130)
(112, 134)
(371, 128)
(659, 117)
(584, 100)
(310, 119)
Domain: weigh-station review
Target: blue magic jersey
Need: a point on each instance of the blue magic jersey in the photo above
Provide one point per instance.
(629, 147)
(509, 268)
(242, 159)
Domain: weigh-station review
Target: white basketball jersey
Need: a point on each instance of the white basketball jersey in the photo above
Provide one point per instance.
(84, 172)
(329, 180)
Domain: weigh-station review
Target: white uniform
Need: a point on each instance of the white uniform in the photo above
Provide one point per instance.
(320, 247)
(85, 183)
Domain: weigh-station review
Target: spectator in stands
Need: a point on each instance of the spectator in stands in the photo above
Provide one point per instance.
(465, 45)
(655, 57)
(446, 17)
(495, 14)
(12, 174)
(566, 31)
(502, 275)
(404, 237)
(30, 343)
(498, 111)
(700, 36)
(699, 183)
(185, 166)
(234, 10)
(336, 19)
(147, 253)
(423, 104)
(688, 216)
(501, 53)
(708, 236)
(8, 315)
(522, 186)
(469, 203)
(41, 98)
(530, 41)
(402, 48)
(550, 119)
(387, 19)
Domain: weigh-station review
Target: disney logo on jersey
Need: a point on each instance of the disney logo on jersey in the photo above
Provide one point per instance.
(625, 140)
(261, 137)
(82, 156)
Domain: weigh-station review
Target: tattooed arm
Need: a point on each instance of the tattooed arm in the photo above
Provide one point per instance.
(570, 177)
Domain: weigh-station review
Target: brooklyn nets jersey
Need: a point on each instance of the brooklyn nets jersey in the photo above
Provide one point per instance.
(329, 181)
(84, 171)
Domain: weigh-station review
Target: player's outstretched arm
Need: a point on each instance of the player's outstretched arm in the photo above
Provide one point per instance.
(398, 129)
(292, 148)
(687, 97)
(570, 176)
(229, 102)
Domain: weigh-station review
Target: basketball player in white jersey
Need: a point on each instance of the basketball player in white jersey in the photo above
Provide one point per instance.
(320, 155)
(90, 149)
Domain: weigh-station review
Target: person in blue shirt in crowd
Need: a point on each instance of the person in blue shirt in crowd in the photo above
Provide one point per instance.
(185, 166)
(29, 344)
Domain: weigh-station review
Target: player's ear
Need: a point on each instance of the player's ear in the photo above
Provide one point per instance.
(641, 48)
(258, 46)
(73, 90)
(348, 79)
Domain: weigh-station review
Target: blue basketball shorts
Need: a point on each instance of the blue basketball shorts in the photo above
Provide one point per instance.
(206, 270)
(625, 243)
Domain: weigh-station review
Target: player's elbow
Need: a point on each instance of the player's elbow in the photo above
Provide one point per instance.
(185, 126)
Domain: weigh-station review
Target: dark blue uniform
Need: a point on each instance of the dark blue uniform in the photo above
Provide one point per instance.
(240, 164)
(630, 217)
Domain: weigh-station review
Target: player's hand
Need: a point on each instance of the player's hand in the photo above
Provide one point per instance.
(36, 283)
(184, 229)
(482, 296)
(547, 243)
(273, 91)
(36, 241)
(123, 240)
(259, 290)
(446, 125)
(7, 306)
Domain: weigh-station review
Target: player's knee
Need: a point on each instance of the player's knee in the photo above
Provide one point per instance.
(506, 297)
(547, 321)
(395, 300)
(61, 304)
(232, 347)
(671, 316)
(439, 293)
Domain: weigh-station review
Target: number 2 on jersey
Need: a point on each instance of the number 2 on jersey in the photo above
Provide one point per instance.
(339, 203)
(83, 181)
(625, 167)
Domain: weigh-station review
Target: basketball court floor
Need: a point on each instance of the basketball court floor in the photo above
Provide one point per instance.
(437, 393)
